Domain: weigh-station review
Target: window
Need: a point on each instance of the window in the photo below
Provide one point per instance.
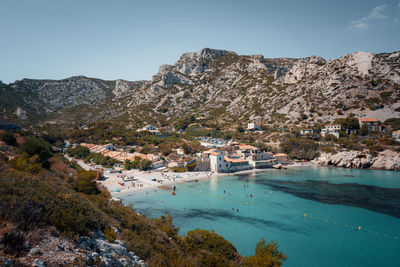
(220, 165)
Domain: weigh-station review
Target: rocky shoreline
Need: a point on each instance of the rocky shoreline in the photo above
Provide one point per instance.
(54, 250)
(386, 160)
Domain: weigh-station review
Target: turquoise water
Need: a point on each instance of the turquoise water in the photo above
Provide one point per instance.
(327, 236)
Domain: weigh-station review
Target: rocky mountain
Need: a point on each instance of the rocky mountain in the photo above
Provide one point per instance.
(221, 87)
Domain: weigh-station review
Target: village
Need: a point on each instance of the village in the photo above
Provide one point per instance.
(219, 155)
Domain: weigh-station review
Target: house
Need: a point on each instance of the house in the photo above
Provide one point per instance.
(150, 128)
(109, 147)
(281, 158)
(10, 126)
(306, 131)
(236, 164)
(221, 163)
(370, 124)
(253, 127)
(256, 157)
(217, 163)
(180, 152)
(333, 129)
(98, 148)
(396, 135)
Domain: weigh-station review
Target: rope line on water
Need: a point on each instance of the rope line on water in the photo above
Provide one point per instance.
(256, 202)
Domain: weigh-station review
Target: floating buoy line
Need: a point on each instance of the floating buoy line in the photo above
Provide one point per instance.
(358, 228)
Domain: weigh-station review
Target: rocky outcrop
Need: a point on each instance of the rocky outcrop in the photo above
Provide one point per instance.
(53, 250)
(386, 160)
(110, 253)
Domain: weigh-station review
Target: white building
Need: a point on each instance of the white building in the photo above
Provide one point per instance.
(306, 131)
(256, 157)
(221, 163)
(150, 128)
(396, 135)
(333, 129)
(252, 127)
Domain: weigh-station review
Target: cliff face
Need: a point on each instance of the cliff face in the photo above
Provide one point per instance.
(223, 87)
(386, 160)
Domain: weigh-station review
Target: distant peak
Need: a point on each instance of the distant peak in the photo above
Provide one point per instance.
(78, 77)
(206, 53)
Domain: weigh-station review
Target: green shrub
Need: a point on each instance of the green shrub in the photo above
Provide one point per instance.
(31, 202)
(84, 182)
(138, 163)
(110, 234)
(178, 169)
(35, 146)
(266, 255)
(198, 240)
(9, 138)
(190, 167)
(393, 122)
(25, 163)
(298, 148)
(350, 123)
(78, 152)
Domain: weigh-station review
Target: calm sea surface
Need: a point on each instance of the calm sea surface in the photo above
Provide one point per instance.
(319, 216)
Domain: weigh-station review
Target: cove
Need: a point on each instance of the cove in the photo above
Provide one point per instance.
(272, 205)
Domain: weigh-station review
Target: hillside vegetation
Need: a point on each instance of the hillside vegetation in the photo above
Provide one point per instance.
(220, 87)
(51, 194)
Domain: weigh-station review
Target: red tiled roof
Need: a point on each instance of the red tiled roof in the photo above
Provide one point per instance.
(368, 120)
(234, 160)
(244, 146)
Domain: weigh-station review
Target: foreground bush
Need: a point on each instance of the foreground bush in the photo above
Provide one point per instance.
(266, 255)
(35, 146)
(77, 207)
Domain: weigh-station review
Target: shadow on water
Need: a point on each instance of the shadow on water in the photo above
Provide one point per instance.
(215, 214)
(378, 199)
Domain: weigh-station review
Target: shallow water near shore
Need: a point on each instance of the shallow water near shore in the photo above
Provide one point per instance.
(319, 216)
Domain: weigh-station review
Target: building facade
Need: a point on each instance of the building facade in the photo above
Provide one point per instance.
(333, 129)
(370, 124)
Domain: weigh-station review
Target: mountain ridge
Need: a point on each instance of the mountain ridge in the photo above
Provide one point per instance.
(221, 86)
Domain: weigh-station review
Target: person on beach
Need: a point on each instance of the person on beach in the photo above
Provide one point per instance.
(174, 188)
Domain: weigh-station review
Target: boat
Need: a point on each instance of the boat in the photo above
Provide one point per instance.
(121, 183)
(279, 166)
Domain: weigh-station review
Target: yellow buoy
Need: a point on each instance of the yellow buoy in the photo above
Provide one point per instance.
(247, 203)
(305, 215)
(221, 197)
(359, 227)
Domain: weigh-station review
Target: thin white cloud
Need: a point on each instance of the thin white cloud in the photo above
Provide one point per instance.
(362, 24)
(396, 20)
(398, 5)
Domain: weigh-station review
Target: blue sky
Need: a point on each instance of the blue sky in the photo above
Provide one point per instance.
(114, 39)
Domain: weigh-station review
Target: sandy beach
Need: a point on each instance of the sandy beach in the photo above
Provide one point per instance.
(140, 181)
(161, 180)
(128, 182)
